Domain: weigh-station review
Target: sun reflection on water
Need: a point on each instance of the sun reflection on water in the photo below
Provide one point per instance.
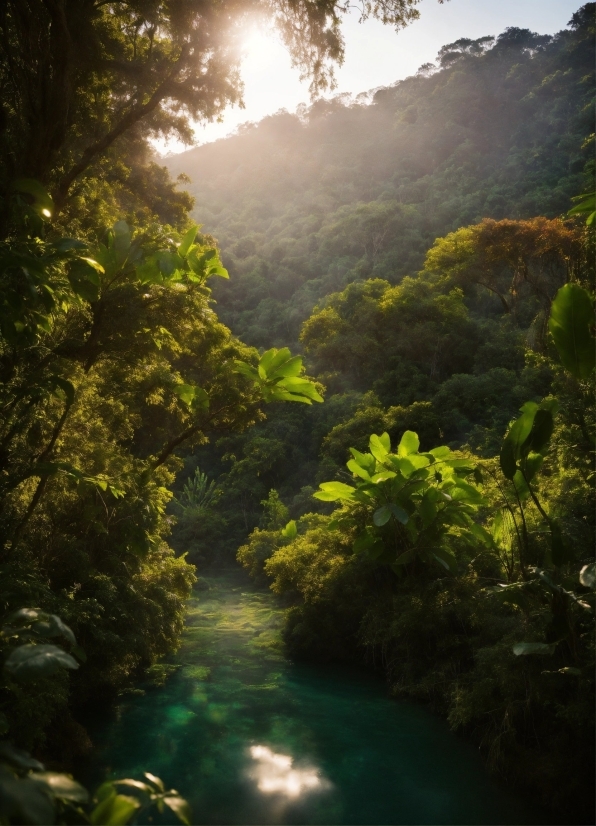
(275, 774)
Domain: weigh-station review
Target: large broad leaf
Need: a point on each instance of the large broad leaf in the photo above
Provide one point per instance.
(51, 625)
(194, 397)
(333, 491)
(542, 427)
(30, 662)
(187, 241)
(399, 513)
(525, 648)
(571, 324)
(114, 810)
(291, 367)
(62, 786)
(272, 359)
(246, 370)
(519, 431)
(365, 460)
(358, 470)
(180, 807)
(532, 465)
(381, 516)
(586, 206)
(304, 387)
(410, 443)
(22, 800)
(378, 446)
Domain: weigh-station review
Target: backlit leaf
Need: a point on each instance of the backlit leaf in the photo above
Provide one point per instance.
(571, 323)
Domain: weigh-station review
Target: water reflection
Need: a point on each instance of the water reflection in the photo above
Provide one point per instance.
(274, 774)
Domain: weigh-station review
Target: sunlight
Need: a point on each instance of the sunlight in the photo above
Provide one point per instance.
(274, 774)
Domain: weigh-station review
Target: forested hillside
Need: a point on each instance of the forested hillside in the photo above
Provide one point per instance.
(304, 204)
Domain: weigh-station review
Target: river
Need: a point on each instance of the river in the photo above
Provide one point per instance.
(250, 737)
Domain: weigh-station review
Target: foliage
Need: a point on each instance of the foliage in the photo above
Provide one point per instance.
(278, 377)
(86, 86)
(500, 635)
(411, 502)
(29, 793)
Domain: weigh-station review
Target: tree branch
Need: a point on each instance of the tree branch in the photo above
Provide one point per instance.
(132, 117)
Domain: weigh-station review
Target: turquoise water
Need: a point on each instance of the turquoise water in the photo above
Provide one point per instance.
(252, 738)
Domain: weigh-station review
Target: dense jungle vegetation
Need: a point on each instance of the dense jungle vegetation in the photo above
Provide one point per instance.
(415, 247)
(412, 242)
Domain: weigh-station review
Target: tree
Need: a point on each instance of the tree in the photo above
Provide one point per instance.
(511, 259)
(81, 78)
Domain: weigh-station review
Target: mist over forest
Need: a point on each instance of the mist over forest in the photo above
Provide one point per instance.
(346, 190)
(343, 356)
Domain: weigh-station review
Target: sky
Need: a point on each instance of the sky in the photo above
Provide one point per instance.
(376, 55)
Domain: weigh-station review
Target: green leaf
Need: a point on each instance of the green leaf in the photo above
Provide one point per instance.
(217, 269)
(290, 531)
(521, 486)
(114, 810)
(157, 781)
(289, 368)
(365, 460)
(180, 807)
(272, 359)
(406, 557)
(542, 427)
(30, 662)
(62, 786)
(194, 397)
(187, 241)
(519, 431)
(409, 443)
(135, 784)
(571, 323)
(399, 513)
(356, 468)
(522, 649)
(246, 370)
(333, 491)
(464, 492)
(381, 516)
(22, 800)
(532, 465)
(586, 204)
(54, 627)
(304, 387)
(481, 534)
(446, 559)
(378, 447)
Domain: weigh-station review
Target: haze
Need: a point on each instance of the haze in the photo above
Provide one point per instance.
(376, 55)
